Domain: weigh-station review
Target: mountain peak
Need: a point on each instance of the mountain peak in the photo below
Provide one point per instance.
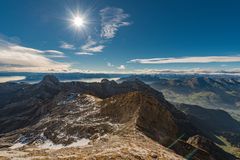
(104, 80)
(50, 79)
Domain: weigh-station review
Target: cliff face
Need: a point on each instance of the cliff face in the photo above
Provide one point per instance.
(142, 112)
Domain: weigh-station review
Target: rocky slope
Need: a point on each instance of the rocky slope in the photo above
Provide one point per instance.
(103, 120)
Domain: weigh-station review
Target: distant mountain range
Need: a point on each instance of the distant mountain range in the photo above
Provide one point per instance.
(37, 77)
(75, 76)
(128, 120)
(209, 92)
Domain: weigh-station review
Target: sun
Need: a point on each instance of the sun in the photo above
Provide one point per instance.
(79, 21)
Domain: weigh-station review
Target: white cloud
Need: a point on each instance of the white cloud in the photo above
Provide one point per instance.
(121, 67)
(92, 46)
(65, 45)
(89, 44)
(84, 53)
(53, 52)
(206, 59)
(98, 48)
(55, 56)
(14, 57)
(111, 20)
(110, 64)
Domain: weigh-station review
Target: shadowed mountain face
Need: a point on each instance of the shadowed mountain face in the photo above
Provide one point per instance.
(67, 114)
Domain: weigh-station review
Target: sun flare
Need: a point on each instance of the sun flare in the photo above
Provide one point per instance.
(79, 21)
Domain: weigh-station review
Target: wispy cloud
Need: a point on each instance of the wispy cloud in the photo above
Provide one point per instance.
(206, 59)
(121, 67)
(92, 46)
(14, 57)
(65, 45)
(55, 56)
(111, 20)
(53, 52)
(84, 53)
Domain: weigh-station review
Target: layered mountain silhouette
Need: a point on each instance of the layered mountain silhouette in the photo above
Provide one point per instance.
(128, 120)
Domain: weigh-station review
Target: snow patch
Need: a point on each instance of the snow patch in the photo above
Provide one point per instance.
(80, 143)
(48, 144)
(20, 142)
(17, 145)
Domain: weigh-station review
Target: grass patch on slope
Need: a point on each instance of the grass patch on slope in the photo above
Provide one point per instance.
(229, 148)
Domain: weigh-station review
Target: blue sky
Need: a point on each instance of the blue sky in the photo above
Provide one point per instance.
(119, 36)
